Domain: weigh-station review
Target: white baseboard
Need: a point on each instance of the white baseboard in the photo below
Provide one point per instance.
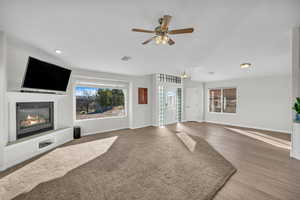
(141, 126)
(295, 151)
(200, 121)
(103, 131)
(243, 126)
(295, 157)
(173, 122)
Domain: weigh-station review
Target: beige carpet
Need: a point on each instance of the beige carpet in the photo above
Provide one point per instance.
(149, 163)
(53, 165)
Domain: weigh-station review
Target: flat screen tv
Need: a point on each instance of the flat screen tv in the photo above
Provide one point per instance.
(45, 76)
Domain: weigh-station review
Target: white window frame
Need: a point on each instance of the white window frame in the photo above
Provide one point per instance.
(101, 86)
(222, 112)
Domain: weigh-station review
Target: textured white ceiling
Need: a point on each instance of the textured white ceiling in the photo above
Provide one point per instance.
(97, 34)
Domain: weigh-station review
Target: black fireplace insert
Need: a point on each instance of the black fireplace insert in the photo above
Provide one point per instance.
(34, 118)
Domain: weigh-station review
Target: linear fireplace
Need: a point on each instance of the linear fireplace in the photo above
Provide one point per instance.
(34, 118)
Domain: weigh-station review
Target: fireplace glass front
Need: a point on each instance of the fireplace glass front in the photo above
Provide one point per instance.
(34, 118)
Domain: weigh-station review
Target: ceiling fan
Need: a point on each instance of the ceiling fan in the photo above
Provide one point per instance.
(162, 31)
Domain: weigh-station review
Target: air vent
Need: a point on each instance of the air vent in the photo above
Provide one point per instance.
(126, 58)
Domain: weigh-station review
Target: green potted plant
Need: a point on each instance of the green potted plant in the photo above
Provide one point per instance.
(297, 108)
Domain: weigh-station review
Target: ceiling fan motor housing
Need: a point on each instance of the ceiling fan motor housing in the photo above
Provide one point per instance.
(158, 31)
(162, 31)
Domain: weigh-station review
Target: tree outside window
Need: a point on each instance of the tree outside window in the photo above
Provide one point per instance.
(99, 103)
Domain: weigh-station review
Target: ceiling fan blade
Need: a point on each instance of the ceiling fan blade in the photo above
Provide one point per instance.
(171, 42)
(181, 31)
(147, 41)
(165, 22)
(142, 30)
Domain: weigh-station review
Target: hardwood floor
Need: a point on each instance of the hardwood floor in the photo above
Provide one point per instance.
(270, 133)
(264, 171)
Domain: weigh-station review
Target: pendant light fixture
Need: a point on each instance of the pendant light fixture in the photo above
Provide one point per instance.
(184, 75)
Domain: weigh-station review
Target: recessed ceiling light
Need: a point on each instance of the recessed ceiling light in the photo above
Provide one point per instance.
(58, 51)
(245, 65)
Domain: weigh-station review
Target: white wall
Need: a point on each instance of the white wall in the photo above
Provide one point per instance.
(295, 64)
(3, 107)
(17, 56)
(142, 113)
(263, 103)
(199, 97)
(137, 115)
(295, 51)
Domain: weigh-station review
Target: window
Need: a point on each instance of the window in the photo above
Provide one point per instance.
(222, 100)
(215, 100)
(99, 103)
(229, 100)
(168, 78)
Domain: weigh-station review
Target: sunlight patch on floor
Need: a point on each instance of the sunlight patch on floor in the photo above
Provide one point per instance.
(187, 140)
(264, 138)
(51, 166)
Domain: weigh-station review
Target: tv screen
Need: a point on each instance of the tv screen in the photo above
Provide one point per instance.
(45, 76)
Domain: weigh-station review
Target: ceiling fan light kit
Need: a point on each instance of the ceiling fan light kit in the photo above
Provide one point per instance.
(161, 39)
(162, 32)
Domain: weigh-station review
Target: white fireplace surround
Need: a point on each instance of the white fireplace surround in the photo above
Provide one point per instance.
(16, 97)
(17, 151)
